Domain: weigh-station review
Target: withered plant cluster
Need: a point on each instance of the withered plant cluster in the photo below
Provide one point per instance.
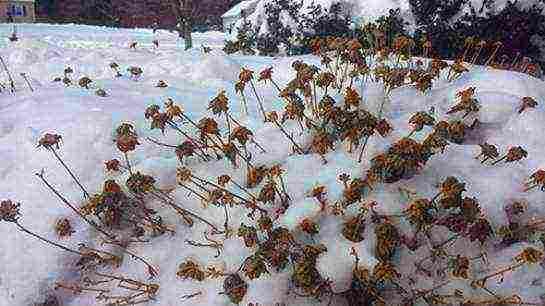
(325, 103)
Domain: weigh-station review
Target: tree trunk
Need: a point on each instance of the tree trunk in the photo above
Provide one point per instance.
(183, 10)
(188, 23)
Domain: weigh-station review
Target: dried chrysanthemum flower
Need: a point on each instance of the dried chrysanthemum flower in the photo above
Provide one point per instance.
(161, 84)
(183, 175)
(354, 229)
(254, 267)
(208, 126)
(246, 75)
(537, 178)
(467, 102)
(419, 120)
(266, 74)
(101, 93)
(527, 102)
(9, 211)
(265, 223)
(190, 269)
(220, 103)
(460, 267)
(112, 165)
(385, 271)
(126, 143)
(420, 214)
(351, 98)
(186, 149)
(140, 183)
(488, 151)
(530, 255)
(135, 71)
(84, 82)
(514, 154)
(249, 234)
(388, 240)
(383, 127)
(63, 228)
(480, 230)
(172, 110)
(49, 140)
(242, 134)
(310, 227)
(235, 288)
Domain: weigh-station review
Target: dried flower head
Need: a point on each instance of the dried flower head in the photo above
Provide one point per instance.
(235, 288)
(49, 140)
(63, 228)
(9, 211)
(112, 165)
(190, 269)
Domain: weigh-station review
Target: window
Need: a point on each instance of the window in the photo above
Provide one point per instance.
(18, 10)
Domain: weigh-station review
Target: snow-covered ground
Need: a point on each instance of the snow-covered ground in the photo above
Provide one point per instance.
(87, 123)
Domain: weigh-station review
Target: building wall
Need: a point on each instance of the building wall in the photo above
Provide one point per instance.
(30, 11)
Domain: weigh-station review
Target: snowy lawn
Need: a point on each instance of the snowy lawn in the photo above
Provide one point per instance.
(29, 268)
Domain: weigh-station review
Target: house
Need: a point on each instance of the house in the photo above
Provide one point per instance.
(237, 12)
(17, 11)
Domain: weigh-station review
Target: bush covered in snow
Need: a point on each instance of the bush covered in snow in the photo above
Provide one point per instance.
(518, 25)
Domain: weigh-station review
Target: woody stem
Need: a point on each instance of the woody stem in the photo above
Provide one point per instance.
(65, 201)
(166, 199)
(85, 193)
(300, 151)
(258, 100)
(48, 241)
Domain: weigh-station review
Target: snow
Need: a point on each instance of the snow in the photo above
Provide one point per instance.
(87, 124)
(236, 10)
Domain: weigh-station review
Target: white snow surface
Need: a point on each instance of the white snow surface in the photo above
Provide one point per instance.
(87, 122)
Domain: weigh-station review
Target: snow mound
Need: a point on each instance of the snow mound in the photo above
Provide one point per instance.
(23, 57)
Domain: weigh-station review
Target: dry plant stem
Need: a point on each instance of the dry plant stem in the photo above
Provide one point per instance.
(48, 241)
(499, 160)
(226, 191)
(127, 161)
(85, 193)
(476, 55)
(251, 139)
(65, 201)
(244, 103)
(134, 256)
(28, 82)
(466, 51)
(501, 272)
(513, 63)
(11, 82)
(386, 93)
(195, 142)
(276, 85)
(184, 116)
(258, 100)
(491, 58)
(244, 190)
(174, 147)
(166, 199)
(297, 147)
(192, 295)
(78, 289)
